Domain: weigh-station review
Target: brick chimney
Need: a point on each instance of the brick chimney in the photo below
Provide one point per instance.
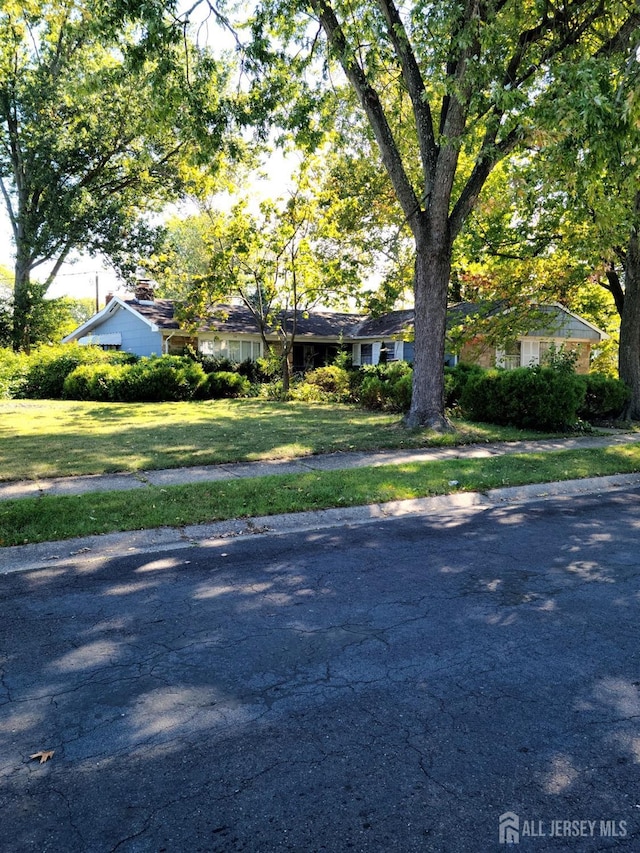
(108, 298)
(144, 291)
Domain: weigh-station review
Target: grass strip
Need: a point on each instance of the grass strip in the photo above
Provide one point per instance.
(55, 518)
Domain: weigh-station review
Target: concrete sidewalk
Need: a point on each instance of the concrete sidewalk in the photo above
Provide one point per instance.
(302, 465)
(98, 549)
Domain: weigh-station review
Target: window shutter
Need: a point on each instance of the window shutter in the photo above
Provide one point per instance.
(530, 352)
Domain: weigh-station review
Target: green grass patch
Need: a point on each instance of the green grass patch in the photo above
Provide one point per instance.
(55, 518)
(43, 438)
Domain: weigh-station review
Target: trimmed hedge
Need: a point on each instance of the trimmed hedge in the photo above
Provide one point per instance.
(225, 383)
(605, 397)
(96, 382)
(529, 398)
(455, 379)
(49, 366)
(158, 379)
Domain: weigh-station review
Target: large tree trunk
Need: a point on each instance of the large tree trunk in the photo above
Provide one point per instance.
(629, 353)
(431, 282)
(22, 305)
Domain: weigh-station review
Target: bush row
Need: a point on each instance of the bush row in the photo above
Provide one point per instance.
(541, 397)
(89, 373)
(152, 380)
(548, 398)
(529, 398)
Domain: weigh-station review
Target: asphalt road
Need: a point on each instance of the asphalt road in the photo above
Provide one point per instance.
(395, 686)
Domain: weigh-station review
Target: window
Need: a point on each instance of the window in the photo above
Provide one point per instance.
(366, 353)
(509, 358)
(390, 347)
(234, 350)
(107, 341)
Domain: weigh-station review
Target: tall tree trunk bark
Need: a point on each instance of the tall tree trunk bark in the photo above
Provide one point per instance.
(431, 282)
(22, 305)
(286, 372)
(629, 353)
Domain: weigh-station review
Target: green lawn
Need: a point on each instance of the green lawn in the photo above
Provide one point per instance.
(41, 438)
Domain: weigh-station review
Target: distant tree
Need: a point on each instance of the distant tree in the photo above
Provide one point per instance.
(6, 306)
(590, 159)
(280, 261)
(90, 134)
(562, 221)
(519, 250)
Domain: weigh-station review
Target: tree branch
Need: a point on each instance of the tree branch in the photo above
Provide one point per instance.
(614, 286)
(416, 88)
(372, 106)
(560, 21)
(490, 153)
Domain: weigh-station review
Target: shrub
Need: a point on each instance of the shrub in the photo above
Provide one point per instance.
(455, 379)
(216, 363)
(604, 397)
(150, 380)
(372, 393)
(49, 366)
(225, 383)
(258, 371)
(274, 390)
(13, 370)
(305, 393)
(480, 398)
(96, 382)
(166, 378)
(385, 386)
(331, 379)
(536, 397)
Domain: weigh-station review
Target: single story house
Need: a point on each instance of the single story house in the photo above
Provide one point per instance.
(147, 326)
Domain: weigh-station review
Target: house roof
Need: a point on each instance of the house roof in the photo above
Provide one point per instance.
(561, 322)
(238, 319)
(387, 325)
(159, 314)
(326, 324)
(112, 307)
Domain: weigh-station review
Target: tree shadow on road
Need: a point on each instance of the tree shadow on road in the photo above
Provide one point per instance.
(397, 683)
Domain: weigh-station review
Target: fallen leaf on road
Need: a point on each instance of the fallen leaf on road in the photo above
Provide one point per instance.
(43, 755)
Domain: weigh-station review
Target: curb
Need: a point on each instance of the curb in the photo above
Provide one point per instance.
(56, 555)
